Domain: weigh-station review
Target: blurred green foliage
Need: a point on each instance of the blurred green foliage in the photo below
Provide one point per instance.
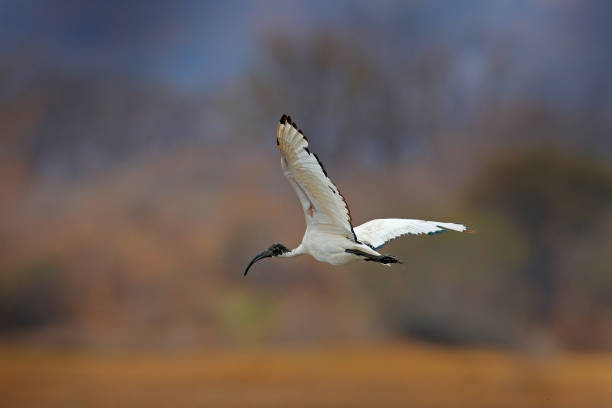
(245, 317)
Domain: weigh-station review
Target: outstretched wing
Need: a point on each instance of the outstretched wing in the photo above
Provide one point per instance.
(322, 202)
(377, 233)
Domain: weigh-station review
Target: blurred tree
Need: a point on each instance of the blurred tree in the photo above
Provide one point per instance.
(53, 122)
(556, 200)
(356, 103)
(32, 297)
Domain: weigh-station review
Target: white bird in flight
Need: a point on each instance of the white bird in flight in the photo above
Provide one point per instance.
(330, 236)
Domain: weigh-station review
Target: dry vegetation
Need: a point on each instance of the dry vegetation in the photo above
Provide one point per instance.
(408, 375)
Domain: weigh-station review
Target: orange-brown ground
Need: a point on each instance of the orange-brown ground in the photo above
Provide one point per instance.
(407, 375)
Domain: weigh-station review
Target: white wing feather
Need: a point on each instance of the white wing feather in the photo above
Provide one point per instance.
(377, 233)
(321, 200)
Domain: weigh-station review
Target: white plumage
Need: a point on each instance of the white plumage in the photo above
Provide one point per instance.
(330, 236)
(377, 233)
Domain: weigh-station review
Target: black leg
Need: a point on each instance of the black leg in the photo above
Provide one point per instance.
(384, 259)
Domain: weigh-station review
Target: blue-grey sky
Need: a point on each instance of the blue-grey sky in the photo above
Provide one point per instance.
(194, 44)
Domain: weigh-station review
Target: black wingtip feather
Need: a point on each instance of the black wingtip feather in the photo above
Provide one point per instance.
(302, 133)
(320, 164)
(287, 119)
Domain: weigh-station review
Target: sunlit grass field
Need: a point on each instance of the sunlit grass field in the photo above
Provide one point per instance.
(356, 376)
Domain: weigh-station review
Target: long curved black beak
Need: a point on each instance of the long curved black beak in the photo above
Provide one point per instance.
(261, 255)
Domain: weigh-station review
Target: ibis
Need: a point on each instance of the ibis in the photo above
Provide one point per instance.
(330, 235)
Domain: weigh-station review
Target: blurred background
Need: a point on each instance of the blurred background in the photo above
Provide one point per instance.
(139, 175)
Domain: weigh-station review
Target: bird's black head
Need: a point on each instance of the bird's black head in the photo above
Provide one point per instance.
(273, 250)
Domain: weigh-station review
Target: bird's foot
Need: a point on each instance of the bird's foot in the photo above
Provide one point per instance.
(383, 259)
(387, 259)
